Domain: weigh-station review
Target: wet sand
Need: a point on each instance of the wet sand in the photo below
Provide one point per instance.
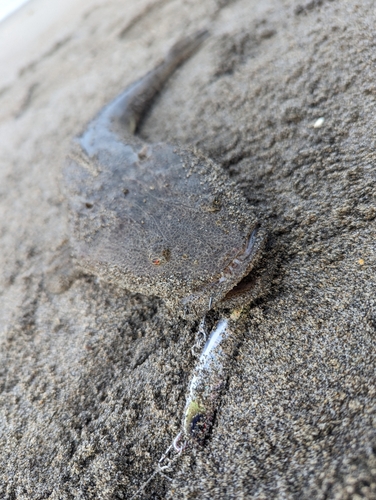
(92, 378)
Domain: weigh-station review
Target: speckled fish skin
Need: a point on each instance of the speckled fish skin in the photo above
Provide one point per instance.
(158, 219)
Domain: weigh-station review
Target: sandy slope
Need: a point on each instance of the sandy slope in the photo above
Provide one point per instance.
(93, 379)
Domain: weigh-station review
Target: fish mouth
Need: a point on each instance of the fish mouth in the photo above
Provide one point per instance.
(244, 257)
(242, 288)
(241, 266)
(236, 280)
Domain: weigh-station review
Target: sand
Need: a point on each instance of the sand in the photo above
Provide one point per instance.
(93, 379)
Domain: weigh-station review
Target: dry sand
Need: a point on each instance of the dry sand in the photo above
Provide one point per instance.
(93, 379)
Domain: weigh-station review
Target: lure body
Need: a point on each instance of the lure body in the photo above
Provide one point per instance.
(208, 381)
(158, 219)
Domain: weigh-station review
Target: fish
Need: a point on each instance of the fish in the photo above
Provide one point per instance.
(159, 219)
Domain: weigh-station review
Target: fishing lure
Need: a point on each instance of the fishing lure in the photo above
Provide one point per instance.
(208, 380)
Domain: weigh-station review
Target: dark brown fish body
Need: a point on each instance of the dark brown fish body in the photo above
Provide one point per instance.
(155, 218)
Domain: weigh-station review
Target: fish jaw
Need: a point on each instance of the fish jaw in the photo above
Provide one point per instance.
(226, 289)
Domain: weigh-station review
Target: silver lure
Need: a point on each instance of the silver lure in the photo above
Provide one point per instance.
(208, 381)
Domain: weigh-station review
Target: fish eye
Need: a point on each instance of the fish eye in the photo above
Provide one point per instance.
(161, 257)
(216, 204)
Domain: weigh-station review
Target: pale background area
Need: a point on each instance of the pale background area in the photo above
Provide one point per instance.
(37, 25)
(9, 6)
